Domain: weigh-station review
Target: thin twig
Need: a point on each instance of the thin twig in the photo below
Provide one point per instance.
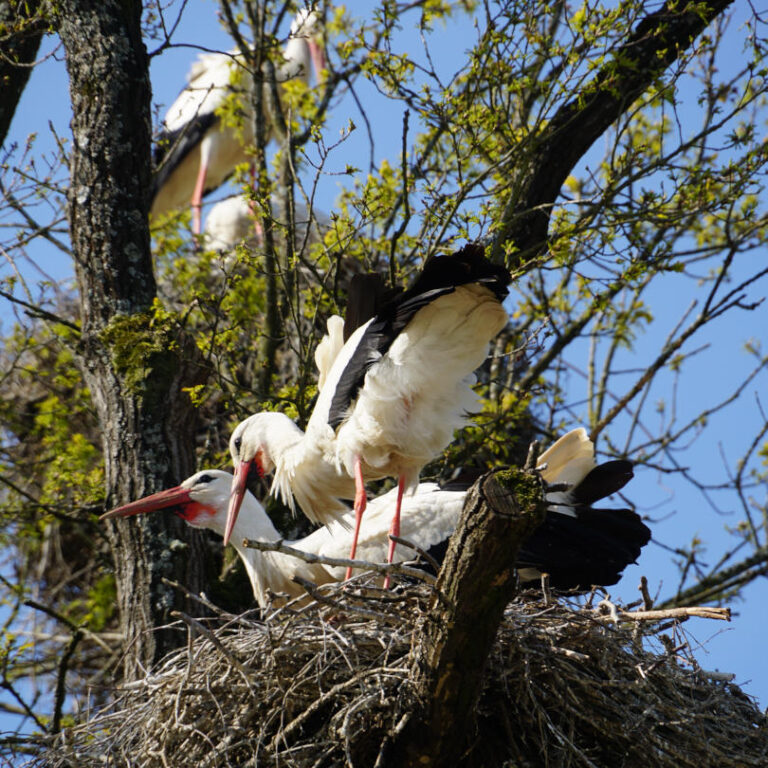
(203, 630)
(314, 592)
(647, 600)
(341, 562)
(61, 692)
(702, 612)
(43, 314)
(416, 548)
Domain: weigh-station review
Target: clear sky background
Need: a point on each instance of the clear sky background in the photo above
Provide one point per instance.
(676, 512)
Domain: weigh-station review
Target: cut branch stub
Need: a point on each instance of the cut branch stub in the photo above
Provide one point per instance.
(478, 579)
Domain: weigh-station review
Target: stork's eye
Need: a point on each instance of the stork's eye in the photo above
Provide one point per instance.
(238, 443)
(205, 479)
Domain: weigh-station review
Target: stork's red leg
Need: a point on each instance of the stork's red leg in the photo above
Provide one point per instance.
(394, 529)
(197, 198)
(360, 502)
(257, 228)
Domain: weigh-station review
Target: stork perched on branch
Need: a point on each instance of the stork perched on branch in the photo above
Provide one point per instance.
(196, 152)
(392, 399)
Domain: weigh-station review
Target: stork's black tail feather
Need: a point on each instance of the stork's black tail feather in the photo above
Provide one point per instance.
(577, 552)
(577, 545)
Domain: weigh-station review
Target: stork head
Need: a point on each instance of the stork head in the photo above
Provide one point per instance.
(252, 445)
(201, 500)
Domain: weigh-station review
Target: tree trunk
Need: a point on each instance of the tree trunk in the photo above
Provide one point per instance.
(135, 360)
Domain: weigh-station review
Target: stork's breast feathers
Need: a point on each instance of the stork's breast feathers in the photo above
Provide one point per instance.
(449, 336)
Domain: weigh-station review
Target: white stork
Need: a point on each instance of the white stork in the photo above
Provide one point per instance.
(577, 545)
(428, 519)
(392, 399)
(195, 153)
(230, 222)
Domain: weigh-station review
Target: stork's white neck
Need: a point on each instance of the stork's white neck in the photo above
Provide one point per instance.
(266, 570)
(297, 60)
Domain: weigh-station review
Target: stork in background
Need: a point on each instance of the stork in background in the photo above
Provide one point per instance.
(195, 152)
(392, 399)
(230, 223)
(577, 545)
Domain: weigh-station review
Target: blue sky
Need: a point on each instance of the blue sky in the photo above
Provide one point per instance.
(678, 512)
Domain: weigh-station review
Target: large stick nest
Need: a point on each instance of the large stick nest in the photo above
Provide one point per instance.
(328, 685)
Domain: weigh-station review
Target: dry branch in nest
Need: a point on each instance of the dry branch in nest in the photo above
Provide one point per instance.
(329, 685)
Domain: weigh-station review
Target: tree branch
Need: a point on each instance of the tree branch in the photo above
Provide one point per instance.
(657, 41)
(43, 314)
(342, 562)
(712, 587)
(19, 47)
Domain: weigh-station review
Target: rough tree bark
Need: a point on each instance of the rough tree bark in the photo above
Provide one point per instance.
(135, 361)
(22, 24)
(478, 581)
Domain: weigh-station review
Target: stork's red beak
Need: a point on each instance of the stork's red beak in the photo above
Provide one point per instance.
(239, 486)
(173, 497)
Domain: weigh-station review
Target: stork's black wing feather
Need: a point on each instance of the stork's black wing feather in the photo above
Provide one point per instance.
(440, 276)
(602, 481)
(592, 548)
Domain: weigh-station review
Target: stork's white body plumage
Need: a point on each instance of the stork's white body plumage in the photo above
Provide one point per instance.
(196, 151)
(392, 399)
(429, 517)
(230, 223)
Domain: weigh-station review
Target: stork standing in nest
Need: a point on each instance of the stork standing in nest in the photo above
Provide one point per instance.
(196, 152)
(392, 399)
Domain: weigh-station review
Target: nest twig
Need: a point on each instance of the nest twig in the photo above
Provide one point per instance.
(328, 685)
